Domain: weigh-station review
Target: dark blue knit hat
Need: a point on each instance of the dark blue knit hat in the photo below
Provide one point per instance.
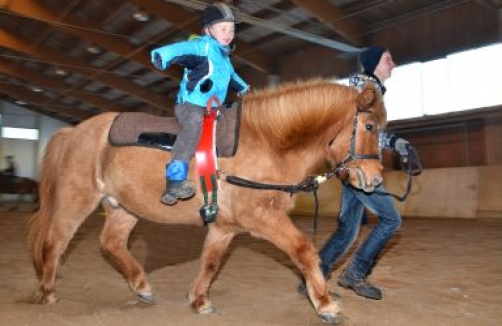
(369, 58)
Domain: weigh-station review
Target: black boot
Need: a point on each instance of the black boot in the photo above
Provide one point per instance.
(176, 190)
(354, 277)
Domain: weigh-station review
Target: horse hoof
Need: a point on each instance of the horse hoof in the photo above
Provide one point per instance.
(330, 318)
(206, 310)
(40, 298)
(146, 297)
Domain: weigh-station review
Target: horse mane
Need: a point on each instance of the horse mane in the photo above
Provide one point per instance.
(290, 115)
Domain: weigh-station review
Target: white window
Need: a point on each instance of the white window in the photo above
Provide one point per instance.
(461, 81)
(20, 133)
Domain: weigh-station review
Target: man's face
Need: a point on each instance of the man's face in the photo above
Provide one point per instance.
(385, 66)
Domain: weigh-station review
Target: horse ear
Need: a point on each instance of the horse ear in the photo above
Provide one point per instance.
(367, 97)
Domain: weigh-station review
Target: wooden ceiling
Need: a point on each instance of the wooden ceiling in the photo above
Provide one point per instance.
(71, 59)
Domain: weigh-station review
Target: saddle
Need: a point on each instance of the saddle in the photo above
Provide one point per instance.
(148, 130)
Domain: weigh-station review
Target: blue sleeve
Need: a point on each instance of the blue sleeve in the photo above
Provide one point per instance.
(237, 84)
(182, 53)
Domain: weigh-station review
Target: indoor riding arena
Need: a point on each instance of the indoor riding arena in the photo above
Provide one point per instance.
(64, 62)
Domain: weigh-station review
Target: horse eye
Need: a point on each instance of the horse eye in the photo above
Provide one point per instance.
(369, 127)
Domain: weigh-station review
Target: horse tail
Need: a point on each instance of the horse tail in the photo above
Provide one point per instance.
(40, 223)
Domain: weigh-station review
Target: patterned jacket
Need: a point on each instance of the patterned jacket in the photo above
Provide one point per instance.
(386, 141)
(359, 79)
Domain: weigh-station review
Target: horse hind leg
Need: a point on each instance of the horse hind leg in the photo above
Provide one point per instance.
(114, 238)
(50, 233)
(215, 246)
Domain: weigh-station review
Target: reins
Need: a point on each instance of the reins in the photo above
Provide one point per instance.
(310, 184)
(412, 166)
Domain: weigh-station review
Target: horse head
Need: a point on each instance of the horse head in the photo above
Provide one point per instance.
(355, 151)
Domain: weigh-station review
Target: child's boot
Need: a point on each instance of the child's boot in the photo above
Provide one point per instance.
(177, 185)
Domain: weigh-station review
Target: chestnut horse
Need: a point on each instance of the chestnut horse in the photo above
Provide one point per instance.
(284, 134)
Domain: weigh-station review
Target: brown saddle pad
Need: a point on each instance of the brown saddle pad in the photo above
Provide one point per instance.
(144, 129)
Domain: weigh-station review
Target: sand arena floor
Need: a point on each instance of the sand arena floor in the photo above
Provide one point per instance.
(435, 272)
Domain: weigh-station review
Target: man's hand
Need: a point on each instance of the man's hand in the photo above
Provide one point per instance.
(402, 147)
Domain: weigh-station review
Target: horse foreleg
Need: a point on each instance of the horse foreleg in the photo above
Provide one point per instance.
(284, 235)
(215, 246)
(114, 237)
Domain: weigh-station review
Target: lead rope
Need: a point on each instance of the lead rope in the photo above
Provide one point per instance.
(414, 168)
(316, 211)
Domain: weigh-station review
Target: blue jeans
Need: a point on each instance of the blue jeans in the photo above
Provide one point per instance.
(349, 222)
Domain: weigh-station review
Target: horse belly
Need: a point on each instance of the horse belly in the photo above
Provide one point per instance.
(134, 178)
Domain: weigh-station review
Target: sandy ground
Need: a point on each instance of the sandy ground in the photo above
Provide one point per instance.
(435, 272)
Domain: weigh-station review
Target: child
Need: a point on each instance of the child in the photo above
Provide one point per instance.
(208, 72)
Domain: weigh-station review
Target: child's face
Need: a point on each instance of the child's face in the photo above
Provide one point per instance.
(223, 32)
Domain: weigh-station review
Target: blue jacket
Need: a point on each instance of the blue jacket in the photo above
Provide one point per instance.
(208, 70)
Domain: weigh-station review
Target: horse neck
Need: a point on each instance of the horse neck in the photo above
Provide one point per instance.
(292, 127)
(298, 117)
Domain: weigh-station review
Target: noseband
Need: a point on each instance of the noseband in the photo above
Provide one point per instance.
(352, 148)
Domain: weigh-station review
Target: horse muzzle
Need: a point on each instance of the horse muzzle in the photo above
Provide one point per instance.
(358, 179)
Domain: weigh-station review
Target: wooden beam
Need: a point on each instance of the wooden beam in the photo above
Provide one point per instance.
(334, 18)
(55, 85)
(82, 67)
(87, 31)
(37, 99)
(491, 4)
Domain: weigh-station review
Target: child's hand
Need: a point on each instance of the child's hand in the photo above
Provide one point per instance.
(244, 91)
(157, 62)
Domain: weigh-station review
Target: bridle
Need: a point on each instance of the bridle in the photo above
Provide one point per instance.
(311, 182)
(352, 149)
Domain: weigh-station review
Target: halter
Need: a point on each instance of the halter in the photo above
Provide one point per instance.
(352, 149)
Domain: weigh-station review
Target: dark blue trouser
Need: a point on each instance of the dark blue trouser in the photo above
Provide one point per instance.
(349, 222)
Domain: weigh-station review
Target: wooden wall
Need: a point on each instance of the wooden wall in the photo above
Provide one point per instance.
(463, 192)
(463, 139)
(462, 177)
(436, 35)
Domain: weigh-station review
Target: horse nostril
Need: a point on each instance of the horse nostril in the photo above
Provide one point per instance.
(377, 181)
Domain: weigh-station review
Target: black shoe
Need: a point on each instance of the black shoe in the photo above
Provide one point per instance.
(177, 190)
(302, 289)
(359, 286)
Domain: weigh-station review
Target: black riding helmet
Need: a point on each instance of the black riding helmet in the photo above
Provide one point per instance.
(218, 12)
